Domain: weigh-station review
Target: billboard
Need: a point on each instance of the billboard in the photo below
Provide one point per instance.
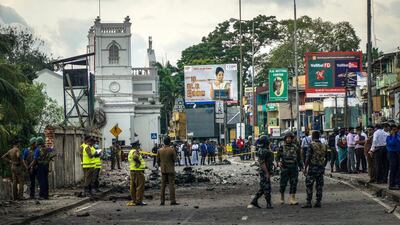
(326, 72)
(278, 85)
(209, 83)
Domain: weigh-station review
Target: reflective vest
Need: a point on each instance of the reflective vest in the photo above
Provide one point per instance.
(86, 161)
(97, 162)
(133, 164)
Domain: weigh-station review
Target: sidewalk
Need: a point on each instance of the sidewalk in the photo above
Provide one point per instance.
(381, 190)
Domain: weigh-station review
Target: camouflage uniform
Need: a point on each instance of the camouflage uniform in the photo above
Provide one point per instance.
(265, 156)
(290, 157)
(316, 158)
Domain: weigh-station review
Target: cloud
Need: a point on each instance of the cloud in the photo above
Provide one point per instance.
(10, 17)
(285, 3)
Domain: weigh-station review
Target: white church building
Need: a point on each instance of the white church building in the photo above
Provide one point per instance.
(129, 96)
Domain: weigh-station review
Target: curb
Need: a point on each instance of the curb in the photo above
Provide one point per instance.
(58, 210)
(379, 191)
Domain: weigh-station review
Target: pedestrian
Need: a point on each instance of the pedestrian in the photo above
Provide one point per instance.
(370, 158)
(393, 148)
(249, 143)
(195, 153)
(234, 147)
(265, 160)
(341, 143)
(203, 148)
(314, 169)
(288, 158)
(28, 156)
(220, 150)
(166, 159)
(154, 150)
(240, 146)
(378, 149)
(179, 153)
(97, 168)
(360, 139)
(14, 157)
(187, 153)
(115, 155)
(87, 160)
(305, 144)
(137, 166)
(42, 157)
(333, 150)
(351, 144)
(210, 152)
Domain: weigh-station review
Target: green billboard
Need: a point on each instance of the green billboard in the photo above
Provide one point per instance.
(278, 85)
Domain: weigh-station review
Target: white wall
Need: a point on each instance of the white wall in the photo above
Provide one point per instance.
(123, 120)
(53, 85)
(145, 124)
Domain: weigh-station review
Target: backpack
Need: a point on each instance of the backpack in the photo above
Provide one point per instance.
(318, 154)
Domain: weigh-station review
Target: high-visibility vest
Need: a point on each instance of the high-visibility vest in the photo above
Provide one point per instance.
(97, 162)
(86, 161)
(132, 162)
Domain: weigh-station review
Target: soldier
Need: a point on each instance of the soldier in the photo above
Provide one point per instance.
(42, 157)
(13, 156)
(316, 160)
(87, 160)
(265, 159)
(137, 167)
(289, 160)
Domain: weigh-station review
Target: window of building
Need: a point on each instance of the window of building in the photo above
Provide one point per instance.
(142, 99)
(142, 87)
(113, 54)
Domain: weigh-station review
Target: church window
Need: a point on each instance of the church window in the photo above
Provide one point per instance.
(113, 56)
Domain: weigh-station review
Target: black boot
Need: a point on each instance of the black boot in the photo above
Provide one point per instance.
(307, 205)
(269, 204)
(317, 204)
(254, 203)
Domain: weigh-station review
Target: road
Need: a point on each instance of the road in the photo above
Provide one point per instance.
(227, 204)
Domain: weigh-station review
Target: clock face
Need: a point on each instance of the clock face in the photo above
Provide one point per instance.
(114, 87)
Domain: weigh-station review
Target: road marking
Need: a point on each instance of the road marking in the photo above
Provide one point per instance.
(377, 200)
(89, 206)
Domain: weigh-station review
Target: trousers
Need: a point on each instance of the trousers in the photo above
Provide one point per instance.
(334, 160)
(394, 175)
(315, 175)
(291, 175)
(137, 186)
(265, 187)
(381, 164)
(371, 166)
(88, 178)
(43, 178)
(170, 179)
(361, 160)
(96, 176)
(351, 161)
(32, 180)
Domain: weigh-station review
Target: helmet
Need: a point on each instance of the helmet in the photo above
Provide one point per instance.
(39, 140)
(263, 141)
(32, 141)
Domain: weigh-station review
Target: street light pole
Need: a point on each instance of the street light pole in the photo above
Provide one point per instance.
(252, 85)
(369, 69)
(296, 72)
(241, 68)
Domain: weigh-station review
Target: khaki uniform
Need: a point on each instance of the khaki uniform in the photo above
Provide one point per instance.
(17, 171)
(166, 159)
(137, 167)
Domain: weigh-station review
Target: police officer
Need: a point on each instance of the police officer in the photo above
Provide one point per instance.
(87, 161)
(137, 166)
(316, 159)
(97, 167)
(265, 159)
(42, 157)
(289, 160)
(28, 156)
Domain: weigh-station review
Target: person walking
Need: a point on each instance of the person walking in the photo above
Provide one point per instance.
(378, 149)
(333, 148)
(351, 144)
(166, 159)
(265, 160)
(28, 156)
(195, 154)
(14, 157)
(393, 148)
(137, 165)
(42, 157)
(305, 144)
(360, 139)
(87, 161)
(370, 158)
(288, 158)
(314, 169)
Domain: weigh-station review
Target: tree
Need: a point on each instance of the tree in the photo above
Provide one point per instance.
(52, 114)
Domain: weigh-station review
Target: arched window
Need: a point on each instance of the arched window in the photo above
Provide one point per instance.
(113, 55)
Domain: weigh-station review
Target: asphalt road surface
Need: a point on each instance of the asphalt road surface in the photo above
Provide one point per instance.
(227, 204)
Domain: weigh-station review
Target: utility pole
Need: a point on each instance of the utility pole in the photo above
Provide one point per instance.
(296, 72)
(252, 85)
(369, 68)
(346, 115)
(241, 68)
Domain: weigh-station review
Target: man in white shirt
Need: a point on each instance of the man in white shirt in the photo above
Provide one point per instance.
(378, 149)
(195, 154)
(351, 144)
(305, 144)
(360, 140)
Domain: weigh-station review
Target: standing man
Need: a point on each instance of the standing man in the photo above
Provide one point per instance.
(187, 153)
(265, 159)
(115, 155)
(393, 148)
(137, 166)
(203, 148)
(378, 149)
(195, 153)
(360, 140)
(13, 156)
(32, 170)
(314, 169)
(154, 150)
(289, 160)
(97, 168)
(370, 159)
(166, 159)
(42, 157)
(305, 144)
(87, 161)
(240, 146)
(333, 148)
(351, 144)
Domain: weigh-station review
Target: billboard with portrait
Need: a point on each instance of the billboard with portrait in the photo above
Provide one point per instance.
(278, 84)
(210, 83)
(326, 72)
